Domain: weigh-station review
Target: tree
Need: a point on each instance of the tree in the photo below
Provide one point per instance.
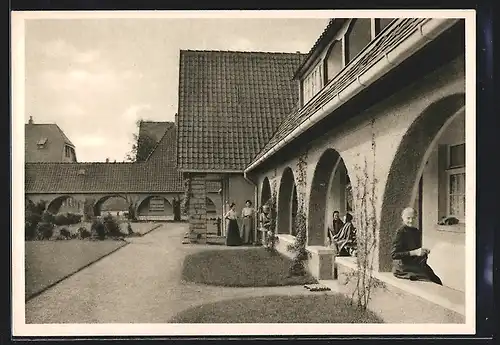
(143, 145)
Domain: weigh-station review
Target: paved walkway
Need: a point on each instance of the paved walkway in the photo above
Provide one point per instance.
(140, 283)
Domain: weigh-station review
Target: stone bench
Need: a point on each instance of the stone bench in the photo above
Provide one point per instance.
(321, 259)
(443, 296)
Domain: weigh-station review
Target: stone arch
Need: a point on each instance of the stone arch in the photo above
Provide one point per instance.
(328, 193)
(402, 184)
(55, 205)
(144, 208)
(286, 194)
(265, 193)
(98, 204)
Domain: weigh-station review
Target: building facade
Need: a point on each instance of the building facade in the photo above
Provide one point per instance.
(46, 142)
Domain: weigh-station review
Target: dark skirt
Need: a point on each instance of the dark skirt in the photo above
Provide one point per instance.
(233, 233)
(415, 270)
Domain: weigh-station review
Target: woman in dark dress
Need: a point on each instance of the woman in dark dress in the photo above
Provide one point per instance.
(408, 257)
(233, 232)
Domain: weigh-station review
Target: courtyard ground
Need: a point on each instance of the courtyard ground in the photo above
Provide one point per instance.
(48, 262)
(142, 283)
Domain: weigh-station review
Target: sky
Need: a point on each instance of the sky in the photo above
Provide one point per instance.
(96, 77)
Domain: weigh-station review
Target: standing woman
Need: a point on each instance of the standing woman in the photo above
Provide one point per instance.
(233, 232)
(247, 228)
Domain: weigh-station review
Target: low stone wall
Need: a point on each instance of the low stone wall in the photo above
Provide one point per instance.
(321, 259)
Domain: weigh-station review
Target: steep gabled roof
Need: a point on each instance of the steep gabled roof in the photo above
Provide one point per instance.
(51, 134)
(154, 129)
(230, 105)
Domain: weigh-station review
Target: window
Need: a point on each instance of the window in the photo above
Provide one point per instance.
(334, 61)
(41, 143)
(68, 150)
(358, 37)
(313, 83)
(156, 205)
(456, 181)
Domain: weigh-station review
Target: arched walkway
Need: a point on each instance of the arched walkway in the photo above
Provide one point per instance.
(64, 203)
(155, 205)
(402, 187)
(99, 203)
(265, 191)
(287, 197)
(328, 194)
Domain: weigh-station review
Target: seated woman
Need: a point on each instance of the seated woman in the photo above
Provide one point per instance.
(345, 239)
(408, 257)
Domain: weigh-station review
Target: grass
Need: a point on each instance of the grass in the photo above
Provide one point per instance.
(325, 308)
(47, 262)
(241, 267)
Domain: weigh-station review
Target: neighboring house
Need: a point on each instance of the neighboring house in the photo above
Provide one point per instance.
(46, 142)
(381, 117)
(230, 105)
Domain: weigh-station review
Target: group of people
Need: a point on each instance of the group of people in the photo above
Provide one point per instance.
(408, 255)
(234, 236)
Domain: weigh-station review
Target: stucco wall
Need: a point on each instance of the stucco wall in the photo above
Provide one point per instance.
(375, 136)
(443, 241)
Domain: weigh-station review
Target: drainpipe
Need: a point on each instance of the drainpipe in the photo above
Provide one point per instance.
(425, 33)
(255, 199)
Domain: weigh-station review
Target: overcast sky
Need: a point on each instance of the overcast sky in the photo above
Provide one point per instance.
(96, 77)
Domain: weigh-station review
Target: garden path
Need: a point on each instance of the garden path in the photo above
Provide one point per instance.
(140, 283)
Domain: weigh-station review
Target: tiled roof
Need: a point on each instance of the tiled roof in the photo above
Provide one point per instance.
(230, 105)
(158, 174)
(154, 129)
(35, 132)
(390, 38)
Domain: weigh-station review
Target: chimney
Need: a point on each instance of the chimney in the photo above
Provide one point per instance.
(107, 160)
(30, 120)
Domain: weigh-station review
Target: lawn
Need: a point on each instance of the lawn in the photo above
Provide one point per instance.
(47, 262)
(324, 308)
(241, 267)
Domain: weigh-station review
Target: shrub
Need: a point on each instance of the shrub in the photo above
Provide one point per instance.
(67, 219)
(64, 232)
(83, 233)
(30, 224)
(48, 217)
(97, 229)
(33, 215)
(44, 230)
(111, 226)
(129, 228)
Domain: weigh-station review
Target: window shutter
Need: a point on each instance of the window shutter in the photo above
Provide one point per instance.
(442, 181)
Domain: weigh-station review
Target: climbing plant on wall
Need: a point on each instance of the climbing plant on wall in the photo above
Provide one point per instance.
(271, 237)
(186, 197)
(297, 267)
(365, 199)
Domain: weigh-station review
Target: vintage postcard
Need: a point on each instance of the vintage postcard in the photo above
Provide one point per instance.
(208, 172)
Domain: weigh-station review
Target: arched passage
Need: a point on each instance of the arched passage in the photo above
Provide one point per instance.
(329, 193)
(404, 187)
(287, 198)
(111, 203)
(265, 191)
(65, 203)
(155, 205)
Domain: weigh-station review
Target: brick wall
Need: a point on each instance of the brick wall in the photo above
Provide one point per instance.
(197, 207)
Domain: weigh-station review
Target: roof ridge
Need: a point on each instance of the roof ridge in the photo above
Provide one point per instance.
(159, 141)
(239, 52)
